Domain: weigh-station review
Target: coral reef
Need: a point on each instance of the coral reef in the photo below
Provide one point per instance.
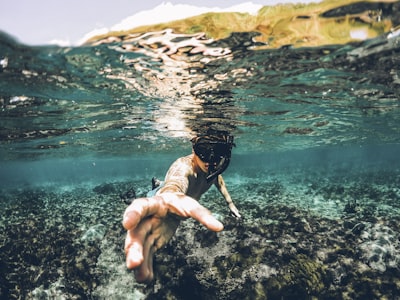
(291, 244)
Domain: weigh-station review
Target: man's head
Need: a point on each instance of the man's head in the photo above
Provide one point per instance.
(215, 151)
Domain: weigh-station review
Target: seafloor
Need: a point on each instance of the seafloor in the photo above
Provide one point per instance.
(303, 235)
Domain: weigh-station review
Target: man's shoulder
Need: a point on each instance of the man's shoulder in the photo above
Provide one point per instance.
(182, 165)
(187, 160)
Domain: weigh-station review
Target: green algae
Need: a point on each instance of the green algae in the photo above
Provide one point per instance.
(303, 277)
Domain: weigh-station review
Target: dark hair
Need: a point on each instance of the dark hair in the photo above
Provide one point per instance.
(213, 136)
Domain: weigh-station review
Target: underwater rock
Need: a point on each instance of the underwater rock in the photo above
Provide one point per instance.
(244, 261)
(296, 130)
(94, 233)
(380, 247)
(302, 278)
(128, 196)
(351, 206)
(279, 250)
(294, 257)
(56, 290)
(105, 189)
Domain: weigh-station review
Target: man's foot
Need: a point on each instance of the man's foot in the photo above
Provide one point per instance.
(155, 183)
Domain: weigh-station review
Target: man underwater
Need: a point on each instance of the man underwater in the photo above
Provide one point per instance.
(151, 222)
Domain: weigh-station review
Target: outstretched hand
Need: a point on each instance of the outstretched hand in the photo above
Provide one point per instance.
(150, 224)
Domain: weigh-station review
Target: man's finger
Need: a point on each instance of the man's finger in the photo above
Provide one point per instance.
(134, 253)
(145, 271)
(204, 216)
(186, 206)
(140, 209)
(134, 243)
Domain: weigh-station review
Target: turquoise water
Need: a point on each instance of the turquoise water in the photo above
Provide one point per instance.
(109, 102)
(317, 134)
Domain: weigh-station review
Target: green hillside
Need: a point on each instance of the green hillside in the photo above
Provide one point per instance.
(328, 22)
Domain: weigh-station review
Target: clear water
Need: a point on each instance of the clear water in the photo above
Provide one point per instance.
(307, 118)
(134, 101)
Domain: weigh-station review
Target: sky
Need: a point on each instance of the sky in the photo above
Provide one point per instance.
(38, 22)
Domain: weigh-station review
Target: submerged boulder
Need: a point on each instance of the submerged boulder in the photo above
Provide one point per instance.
(94, 233)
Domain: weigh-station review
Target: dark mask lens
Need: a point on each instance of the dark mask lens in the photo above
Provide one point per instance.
(221, 151)
(212, 153)
(203, 151)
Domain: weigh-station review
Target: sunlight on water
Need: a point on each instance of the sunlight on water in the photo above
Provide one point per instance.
(160, 85)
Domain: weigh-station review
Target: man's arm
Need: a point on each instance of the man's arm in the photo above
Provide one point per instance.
(150, 224)
(220, 184)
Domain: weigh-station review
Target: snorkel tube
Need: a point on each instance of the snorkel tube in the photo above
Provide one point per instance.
(215, 150)
(214, 172)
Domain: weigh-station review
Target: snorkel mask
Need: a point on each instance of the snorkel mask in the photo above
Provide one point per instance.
(215, 150)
